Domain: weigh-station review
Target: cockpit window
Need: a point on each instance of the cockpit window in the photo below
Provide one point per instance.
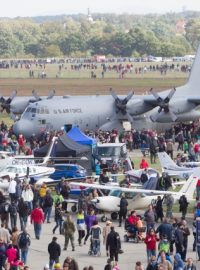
(28, 109)
(115, 193)
(42, 110)
(33, 110)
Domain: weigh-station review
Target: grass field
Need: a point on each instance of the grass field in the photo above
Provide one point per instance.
(73, 82)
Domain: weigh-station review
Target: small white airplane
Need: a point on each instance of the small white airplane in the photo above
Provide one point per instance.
(10, 171)
(173, 170)
(138, 198)
(135, 175)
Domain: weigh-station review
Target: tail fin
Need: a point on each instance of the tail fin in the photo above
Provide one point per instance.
(194, 78)
(51, 147)
(128, 166)
(190, 185)
(166, 161)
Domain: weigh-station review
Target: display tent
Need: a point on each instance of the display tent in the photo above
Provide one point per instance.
(64, 147)
(78, 136)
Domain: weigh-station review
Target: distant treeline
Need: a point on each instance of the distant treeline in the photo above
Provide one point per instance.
(172, 34)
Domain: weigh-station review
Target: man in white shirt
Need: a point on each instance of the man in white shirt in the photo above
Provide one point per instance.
(12, 189)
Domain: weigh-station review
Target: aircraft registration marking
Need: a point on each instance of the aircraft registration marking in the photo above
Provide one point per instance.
(68, 110)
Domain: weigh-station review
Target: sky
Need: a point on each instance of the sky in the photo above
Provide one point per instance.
(27, 8)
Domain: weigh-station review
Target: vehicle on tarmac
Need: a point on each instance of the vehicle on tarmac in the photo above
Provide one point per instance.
(111, 153)
(68, 171)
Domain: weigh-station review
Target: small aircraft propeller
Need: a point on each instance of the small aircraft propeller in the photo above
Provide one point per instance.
(5, 103)
(121, 103)
(163, 104)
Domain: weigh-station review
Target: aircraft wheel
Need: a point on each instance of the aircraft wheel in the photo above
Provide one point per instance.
(114, 215)
(126, 238)
(74, 208)
(103, 219)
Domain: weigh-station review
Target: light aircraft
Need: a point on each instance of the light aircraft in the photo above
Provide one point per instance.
(10, 171)
(111, 111)
(173, 170)
(138, 198)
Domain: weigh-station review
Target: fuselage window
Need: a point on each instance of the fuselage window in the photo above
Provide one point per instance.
(42, 121)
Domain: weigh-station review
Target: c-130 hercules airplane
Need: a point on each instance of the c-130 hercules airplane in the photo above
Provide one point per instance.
(156, 110)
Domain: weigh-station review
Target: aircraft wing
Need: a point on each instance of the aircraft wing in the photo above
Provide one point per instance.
(71, 201)
(195, 100)
(123, 189)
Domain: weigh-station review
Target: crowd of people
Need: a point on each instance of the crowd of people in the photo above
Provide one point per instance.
(28, 203)
(39, 205)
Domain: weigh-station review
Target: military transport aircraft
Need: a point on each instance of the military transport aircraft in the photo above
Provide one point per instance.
(108, 112)
(137, 198)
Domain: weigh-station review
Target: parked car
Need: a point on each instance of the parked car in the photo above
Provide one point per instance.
(68, 171)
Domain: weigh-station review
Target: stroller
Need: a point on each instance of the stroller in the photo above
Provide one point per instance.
(94, 247)
(133, 233)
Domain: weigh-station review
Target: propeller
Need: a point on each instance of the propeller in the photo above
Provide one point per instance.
(5, 103)
(38, 98)
(34, 93)
(121, 103)
(51, 94)
(163, 104)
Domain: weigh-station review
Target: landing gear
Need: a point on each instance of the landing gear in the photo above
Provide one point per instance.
(74, 208)
(114, 215)
(126, 239)
(104, 219)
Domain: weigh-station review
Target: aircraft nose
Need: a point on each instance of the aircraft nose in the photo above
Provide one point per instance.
(24, 127)
(95, 201)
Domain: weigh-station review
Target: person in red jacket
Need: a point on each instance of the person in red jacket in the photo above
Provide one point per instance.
(12, 254)
(37, 218)
(150, 242)
(133, 218)
(144, 164)
(21, 143)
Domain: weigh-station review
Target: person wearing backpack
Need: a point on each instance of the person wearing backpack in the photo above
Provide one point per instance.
(95, 238)
(47, 206)
(58, 218)
(65, 191)
(23, 211)
(54, 251)
(13, 214)
(4, 210)
(183, 205)
(24, 243)
(42, 194)
(89, 221)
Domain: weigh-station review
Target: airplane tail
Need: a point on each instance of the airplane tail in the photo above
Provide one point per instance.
(128, 166)
(166, 161)
(52, 145)
(190, 185)
(194, 78)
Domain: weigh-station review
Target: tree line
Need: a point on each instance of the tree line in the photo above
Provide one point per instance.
(109, 34)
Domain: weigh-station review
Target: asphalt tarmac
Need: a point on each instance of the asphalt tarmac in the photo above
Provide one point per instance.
(133, 252)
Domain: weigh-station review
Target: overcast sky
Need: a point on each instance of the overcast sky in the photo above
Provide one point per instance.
(14, 8)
